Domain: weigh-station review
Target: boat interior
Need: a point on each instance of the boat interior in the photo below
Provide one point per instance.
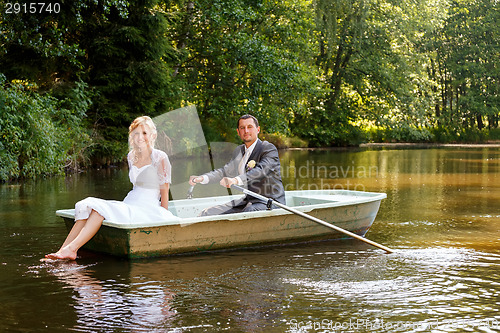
(188, 208)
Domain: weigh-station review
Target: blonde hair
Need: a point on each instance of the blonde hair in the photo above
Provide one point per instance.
(143, 120)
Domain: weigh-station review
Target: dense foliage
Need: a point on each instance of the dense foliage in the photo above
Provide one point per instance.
(38, 132)
(328, 72)
(466, 66)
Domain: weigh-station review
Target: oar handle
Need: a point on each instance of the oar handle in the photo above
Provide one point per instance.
(269, 201)
(190, 192)
(253, 194)
(312, 218)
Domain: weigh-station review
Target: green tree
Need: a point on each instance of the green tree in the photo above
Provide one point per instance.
(41, 48)
(468, 50)
(339, 27)
(246, 57)
(126, 65)
(119, 48)
(372, 70)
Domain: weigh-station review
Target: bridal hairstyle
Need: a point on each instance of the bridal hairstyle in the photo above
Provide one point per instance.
(143, 120)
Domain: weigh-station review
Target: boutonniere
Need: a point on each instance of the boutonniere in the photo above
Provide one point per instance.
(250, 165)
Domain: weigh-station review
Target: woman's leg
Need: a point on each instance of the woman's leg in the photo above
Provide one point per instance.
(75, 230)
(77, 227)
(80, 234)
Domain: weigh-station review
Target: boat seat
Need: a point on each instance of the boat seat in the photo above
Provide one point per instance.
(297, 201)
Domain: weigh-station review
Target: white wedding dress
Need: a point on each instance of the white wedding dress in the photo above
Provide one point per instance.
(142, 203)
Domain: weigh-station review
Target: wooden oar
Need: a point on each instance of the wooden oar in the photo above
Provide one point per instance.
(312, 218)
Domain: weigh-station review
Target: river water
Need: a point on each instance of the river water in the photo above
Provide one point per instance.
(441, 215)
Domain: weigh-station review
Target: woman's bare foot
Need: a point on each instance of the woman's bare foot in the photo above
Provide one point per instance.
(64, 253)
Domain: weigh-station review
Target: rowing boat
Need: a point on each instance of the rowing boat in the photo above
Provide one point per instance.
(354, 211)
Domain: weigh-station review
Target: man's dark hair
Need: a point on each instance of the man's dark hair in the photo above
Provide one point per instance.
(246, 116)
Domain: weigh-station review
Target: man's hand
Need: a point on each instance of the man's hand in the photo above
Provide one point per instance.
(195, 179)
(227, 182)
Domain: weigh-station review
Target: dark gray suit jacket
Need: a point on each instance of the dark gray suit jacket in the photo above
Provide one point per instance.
(264, 178)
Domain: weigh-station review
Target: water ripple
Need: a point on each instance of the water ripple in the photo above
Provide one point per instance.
(429, 283)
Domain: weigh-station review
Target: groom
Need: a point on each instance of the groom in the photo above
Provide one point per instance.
(255, 164)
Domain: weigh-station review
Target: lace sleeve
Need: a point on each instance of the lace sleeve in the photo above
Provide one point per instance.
(163, 166)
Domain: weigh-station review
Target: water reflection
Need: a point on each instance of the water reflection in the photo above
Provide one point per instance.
(272, 290)
(206, 293)
(104, 305)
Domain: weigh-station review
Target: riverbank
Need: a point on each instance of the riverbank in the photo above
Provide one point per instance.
(402, 145)
(490, 144)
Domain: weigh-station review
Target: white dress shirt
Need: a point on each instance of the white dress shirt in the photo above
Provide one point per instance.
(241, 165)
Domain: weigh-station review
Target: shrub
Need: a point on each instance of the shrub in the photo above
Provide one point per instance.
(37, 135)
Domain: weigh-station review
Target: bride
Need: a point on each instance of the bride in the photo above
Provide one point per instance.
(149, 172)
